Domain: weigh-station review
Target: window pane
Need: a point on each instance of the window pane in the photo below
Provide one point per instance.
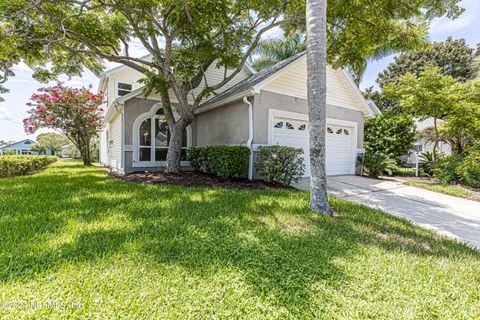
(122, 93)
(184, 140)
(125, 86)
(145, 133)
(160, 112)
(145, 154)
(161, 154)
(161, 133)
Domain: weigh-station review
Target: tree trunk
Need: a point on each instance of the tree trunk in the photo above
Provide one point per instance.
(317, 101)
(83, 145)
(435, 145)
(175, 147)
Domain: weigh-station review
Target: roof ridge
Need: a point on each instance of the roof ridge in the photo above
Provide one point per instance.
(254, 79)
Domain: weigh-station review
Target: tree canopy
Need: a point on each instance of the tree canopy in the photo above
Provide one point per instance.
(50, 141)
(453, 57)
(434, 95)
(74, 112)
(185, 37)
(273, 50)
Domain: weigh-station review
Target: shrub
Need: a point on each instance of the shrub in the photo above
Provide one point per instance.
(11, 166)
(445, 170)
(225, 162)
(280, 164)
(376, 164)
(390, 133)
(195, 157)
(469, 170)
(426, 161)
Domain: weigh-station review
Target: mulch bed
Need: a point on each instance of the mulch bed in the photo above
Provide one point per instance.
(196, 179)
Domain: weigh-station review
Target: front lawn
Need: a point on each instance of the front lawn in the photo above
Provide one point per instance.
(77, 244)
(451, 190)
(456, 190)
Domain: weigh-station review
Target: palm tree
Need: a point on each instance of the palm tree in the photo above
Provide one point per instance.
(273, 50)
(317, 102)
(412, 35)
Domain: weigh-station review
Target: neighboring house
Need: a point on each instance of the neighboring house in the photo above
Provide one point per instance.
(264, 108)
(20, 147)
(426, 145)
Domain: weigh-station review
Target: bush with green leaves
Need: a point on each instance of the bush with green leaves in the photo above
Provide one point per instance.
(376, 164)
(427, 163)
(280, 164)
(225, 162)
(445, 169)
(469, 170)
(18, 165)
(390, 134)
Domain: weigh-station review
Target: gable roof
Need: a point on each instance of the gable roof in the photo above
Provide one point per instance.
(104, 78)
(253, 80)
(256, 82)
(18, 142)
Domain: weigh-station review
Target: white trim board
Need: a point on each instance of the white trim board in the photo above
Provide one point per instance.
(135, 136)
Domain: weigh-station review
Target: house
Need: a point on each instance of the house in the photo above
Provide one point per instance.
(254, 109)
(426, 145)
(20, 147)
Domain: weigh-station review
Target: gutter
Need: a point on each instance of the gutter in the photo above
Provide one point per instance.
(250, 137)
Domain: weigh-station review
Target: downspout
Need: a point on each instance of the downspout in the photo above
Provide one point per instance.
(250, 137)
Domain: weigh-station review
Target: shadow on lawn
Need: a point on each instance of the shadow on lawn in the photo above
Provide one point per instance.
(279, 247)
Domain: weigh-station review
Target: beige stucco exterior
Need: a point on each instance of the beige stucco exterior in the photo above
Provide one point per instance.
(227, 123)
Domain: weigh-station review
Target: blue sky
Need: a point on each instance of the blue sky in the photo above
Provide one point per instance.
(13, 110)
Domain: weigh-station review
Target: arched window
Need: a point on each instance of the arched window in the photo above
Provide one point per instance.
(154, 139)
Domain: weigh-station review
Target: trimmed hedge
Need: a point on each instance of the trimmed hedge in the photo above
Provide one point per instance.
(225, 162)
(280, 164)
(11, 166)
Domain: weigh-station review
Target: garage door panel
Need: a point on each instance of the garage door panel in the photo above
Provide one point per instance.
(339, 144)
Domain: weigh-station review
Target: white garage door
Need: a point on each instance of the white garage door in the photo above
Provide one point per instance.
(340, 161)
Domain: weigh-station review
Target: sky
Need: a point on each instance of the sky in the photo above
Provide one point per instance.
(14, 108)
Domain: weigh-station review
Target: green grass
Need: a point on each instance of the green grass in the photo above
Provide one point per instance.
(451, 190)
(408, 172)
(95, 247)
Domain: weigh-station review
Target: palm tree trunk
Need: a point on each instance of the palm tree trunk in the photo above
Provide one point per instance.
(317, 101)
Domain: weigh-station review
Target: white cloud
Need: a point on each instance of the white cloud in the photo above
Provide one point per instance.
(467, 19)
(6, 115)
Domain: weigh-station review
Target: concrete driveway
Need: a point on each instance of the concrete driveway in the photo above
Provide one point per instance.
(444, 214)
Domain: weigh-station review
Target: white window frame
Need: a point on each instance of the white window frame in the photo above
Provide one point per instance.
(136, 141)
(117, 82)
(275, 113)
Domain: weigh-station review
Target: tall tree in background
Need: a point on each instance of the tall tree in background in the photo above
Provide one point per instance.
(50, 141)
(411, 36)
(428, 95)
(453, 57)
(273, 50)
(317, 102)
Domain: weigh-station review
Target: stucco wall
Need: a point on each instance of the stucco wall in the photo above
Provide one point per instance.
(224, 125)
(133, 108)
(269, 100)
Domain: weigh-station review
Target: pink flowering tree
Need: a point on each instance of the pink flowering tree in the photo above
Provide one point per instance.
(74, 112)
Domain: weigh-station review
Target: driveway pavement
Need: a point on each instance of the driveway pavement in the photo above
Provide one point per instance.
(451, 216)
